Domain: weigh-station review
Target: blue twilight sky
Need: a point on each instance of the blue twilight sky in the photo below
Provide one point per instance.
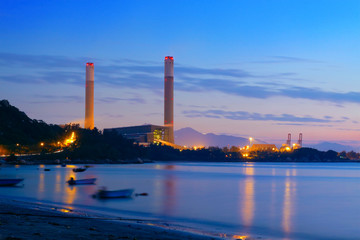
(260, 68)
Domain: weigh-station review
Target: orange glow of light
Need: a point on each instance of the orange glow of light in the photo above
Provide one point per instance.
(58, 182)
(239, 237)
(248, 206)
(249, 170)
(198, 147)
(71, 166)
(70, 192)
(64, 210)
(42, 144)
(70, 140)
(41, 183)
(287, 208)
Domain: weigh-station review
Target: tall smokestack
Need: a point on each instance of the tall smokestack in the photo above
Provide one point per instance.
(89, 96)
(169, 97)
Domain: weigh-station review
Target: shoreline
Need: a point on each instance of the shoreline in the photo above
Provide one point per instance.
(146, 161)
(29, 220)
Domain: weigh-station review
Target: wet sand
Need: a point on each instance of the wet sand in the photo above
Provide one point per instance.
(22, 220)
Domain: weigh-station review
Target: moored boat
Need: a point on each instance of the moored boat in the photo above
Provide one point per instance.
(79, 169)
(123, 193)
(72, 181)
(10, 181)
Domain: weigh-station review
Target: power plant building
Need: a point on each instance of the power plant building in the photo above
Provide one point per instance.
(144, 134)
(89, 96)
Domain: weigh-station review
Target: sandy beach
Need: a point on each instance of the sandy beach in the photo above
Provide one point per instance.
(23, 220)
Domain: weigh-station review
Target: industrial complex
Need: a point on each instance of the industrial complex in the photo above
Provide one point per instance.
(164, 134)
(146, 134)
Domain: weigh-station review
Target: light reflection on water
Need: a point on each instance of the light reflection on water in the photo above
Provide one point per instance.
(41, 185)
(289, 198)
(301, 201)
(247, 204)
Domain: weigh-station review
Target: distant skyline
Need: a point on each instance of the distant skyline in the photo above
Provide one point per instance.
(246, 68)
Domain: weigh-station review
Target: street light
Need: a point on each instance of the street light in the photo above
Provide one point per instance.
(250, 140)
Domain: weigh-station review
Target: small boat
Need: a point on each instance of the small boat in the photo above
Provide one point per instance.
(123, 193)
(79, 169)
(142, 194)
(72, 181)
(47, 169)
(10, 182)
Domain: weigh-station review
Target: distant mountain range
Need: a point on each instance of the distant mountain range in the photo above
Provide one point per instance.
(325, 146)
(190, 137)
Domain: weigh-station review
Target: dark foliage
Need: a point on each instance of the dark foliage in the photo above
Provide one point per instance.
(92, 144)
(17, 127)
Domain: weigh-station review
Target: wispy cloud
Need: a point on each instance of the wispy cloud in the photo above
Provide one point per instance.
(349, 129)
(243, 115)
(304, 124)
(56, 99)
(137, 74)
(134, 100)
(50, 77)
(287, 59)
(39, 61)
(107, 115)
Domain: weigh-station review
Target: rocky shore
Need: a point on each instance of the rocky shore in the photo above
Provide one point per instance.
(21, 220)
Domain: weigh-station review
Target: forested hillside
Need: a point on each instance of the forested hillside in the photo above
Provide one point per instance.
(17, 128)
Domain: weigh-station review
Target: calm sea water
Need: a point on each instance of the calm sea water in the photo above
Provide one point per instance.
(280, 200)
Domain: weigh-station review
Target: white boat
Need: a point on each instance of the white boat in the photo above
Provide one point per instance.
(123, 193)
(72, 181)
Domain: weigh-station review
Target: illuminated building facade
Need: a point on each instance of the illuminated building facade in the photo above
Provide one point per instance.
(263, 148)
(142, 134)
(89, 96)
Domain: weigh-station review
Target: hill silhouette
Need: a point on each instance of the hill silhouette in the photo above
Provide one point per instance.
(17, 127)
